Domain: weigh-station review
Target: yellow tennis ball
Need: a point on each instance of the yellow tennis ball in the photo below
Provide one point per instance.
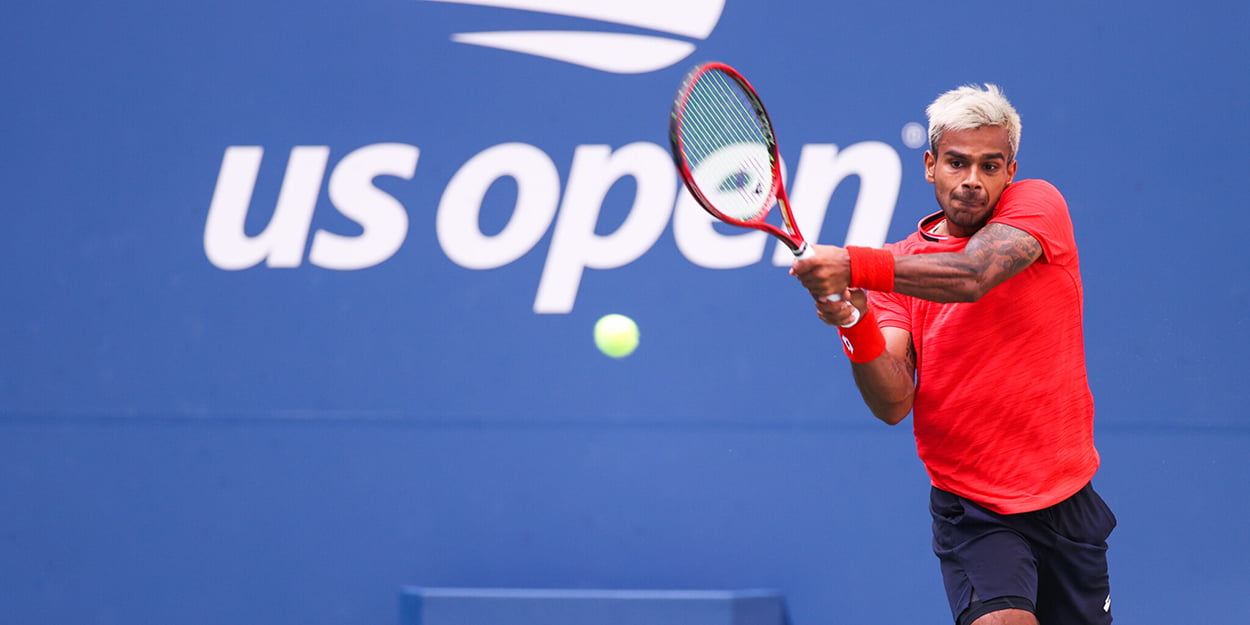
(616, 335)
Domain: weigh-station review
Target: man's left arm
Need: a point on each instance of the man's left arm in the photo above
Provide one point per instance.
(994, 254)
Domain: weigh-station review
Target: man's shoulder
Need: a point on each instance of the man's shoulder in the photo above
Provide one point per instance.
(1028, 200)
(1038, 208)
(1033, 188)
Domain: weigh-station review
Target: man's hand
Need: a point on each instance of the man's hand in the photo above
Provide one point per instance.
(843, 312)
(825, 273)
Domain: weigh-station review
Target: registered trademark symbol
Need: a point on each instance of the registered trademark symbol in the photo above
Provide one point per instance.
(914, 135)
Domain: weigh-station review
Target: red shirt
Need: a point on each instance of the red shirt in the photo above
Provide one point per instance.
(1003, 414)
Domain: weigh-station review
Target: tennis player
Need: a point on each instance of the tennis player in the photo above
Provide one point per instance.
(973, 324)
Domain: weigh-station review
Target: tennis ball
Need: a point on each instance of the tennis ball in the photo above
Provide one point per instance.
(616, 335)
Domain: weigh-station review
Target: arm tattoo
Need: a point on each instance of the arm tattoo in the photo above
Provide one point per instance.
(1003, 251)
(994, 254)
(906, 366)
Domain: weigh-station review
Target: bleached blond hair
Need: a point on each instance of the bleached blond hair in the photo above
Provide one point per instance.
(970, 107)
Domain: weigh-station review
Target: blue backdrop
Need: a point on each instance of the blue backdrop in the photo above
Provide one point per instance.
(298, 301)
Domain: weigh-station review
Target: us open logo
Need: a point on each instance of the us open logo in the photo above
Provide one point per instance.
(683, 22)
(564, 204)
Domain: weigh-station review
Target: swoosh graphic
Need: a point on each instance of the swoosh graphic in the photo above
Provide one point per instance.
(689, 18)
(610, 52)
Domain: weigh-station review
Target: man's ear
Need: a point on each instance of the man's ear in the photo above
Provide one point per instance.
(930, 162)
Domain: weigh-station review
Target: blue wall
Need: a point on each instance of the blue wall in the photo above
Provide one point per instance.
(233, 403)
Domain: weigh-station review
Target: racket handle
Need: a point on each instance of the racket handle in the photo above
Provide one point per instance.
(804, 252)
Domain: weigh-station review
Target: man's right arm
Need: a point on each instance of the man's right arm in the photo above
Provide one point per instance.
(888, 382)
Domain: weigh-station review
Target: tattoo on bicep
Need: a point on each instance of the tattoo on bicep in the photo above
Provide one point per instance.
(904, 366)
(1009, 250)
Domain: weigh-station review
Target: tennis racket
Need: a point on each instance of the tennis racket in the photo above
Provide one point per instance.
(726, 153)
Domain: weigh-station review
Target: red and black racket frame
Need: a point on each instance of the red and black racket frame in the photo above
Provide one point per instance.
(790, 235)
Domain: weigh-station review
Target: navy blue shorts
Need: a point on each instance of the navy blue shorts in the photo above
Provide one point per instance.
(1052, 562)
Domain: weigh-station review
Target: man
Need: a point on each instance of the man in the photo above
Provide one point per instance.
(973, 324)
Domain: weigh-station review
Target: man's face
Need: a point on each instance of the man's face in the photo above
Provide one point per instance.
(969, 172)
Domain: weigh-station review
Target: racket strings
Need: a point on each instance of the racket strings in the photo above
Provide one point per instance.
(726, 112)
(726, 145)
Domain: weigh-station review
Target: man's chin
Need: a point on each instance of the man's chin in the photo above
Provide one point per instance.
(967, 219)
